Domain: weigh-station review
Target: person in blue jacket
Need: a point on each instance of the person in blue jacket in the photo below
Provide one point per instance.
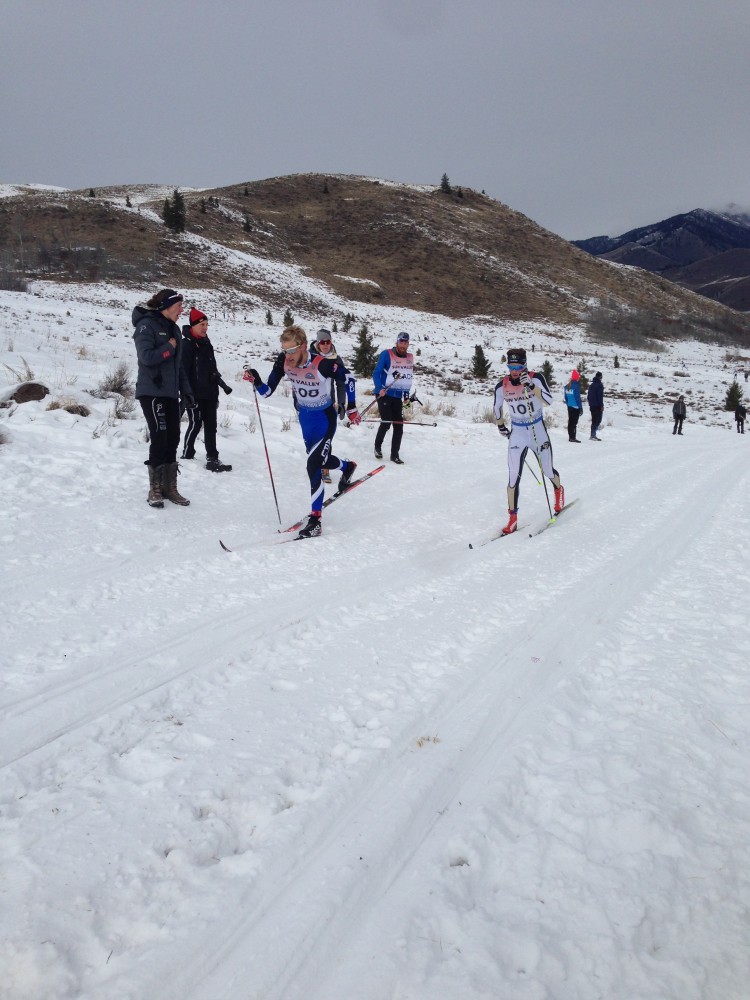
(572, 396)
(595, 400)
(393, 376)
(312, 379)
(159, 387)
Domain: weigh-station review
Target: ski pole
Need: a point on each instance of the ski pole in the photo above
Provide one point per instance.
(406, 423)
(531, 470)
(539, 459)
(265, 446)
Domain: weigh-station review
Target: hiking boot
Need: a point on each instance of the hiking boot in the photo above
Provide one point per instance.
(346, 478)
(326, 475)
(313, 527)
(154, 498)
(378, 453)
(512, 524)
(559, 499)
(169, 484)
(216, 465)
(397, 461)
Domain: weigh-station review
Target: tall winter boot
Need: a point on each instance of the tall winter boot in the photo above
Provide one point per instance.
(169, 484)
(154, 498)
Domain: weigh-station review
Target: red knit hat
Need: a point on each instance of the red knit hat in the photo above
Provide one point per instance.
(196, 316)
(574, 376)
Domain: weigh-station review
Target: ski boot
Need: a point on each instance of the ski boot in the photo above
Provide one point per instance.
(346, 477)
(559, 498)
(314, 526)
(512, 524)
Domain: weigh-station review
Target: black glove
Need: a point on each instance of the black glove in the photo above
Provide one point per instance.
(220, 381)
(503, 430)
(188, 399)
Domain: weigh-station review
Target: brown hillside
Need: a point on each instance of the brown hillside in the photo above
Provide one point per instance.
(371, 241)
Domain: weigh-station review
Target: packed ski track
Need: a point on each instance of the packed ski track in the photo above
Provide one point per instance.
(378, 765)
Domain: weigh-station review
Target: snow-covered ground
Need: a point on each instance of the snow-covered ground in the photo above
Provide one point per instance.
(376, 765)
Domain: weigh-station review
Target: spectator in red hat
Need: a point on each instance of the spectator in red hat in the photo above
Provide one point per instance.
(199, 365)
(572, 396)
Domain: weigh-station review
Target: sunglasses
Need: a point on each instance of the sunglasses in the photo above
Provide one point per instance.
(516, 368)
(324, 341)
(291, 350)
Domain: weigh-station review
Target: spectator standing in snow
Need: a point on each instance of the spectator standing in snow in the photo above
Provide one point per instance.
(739, 415)
(199, 364)
(595, 398)
(393, 376)
(311, 379)
(323, 346)
(160, 385)
(572, 397)
(525, 394)
(679, 412)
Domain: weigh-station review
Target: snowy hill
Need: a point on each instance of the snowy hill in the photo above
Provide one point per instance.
(377, 764)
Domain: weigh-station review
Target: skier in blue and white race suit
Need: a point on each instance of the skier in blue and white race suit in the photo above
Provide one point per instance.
(312, 380)
(392, 378)
(525, 394)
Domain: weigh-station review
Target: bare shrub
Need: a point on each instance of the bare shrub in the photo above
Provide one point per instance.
(124, 406)
(24, 374)
(484, 415)
(70, 406)
(118, 380)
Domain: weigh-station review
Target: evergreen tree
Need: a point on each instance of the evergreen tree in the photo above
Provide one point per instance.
(480, 366)
(335, 328)
(547, 372)
(445, 184)
(174, 213)
(246, 225)
(288, 318)
(733, 397)
(325, 188)
(246, 192)
(128, 203)
(365, 354)
(348, 320)
(92, 193)
(583, 381)
(269, 318)
(203, 206)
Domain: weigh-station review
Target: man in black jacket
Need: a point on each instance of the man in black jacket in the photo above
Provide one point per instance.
(199, 365)
(595, 399)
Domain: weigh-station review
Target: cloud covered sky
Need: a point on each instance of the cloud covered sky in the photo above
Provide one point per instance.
(591, 117)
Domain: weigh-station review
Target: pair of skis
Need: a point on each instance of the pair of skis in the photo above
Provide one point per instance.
(327, 502)
(523, 527)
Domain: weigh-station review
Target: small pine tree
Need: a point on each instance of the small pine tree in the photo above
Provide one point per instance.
(325, 188)
(348, 320)
(480, 366)
(583, 381)
(547, 372)
(460, 193)
(365, 354)
(288, 318)
(269, 318)
(733, 397)
(203, 206)
(617, 362)
(246, 192)
(246, 227)
(174, 212)
(335, 328)
(92, 193)
(445, 184)
(128, 203)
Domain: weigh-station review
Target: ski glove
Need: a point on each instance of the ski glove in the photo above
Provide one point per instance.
(503, 430)
(524, 378)
(354, 417)
(251, 375)
(188, 400)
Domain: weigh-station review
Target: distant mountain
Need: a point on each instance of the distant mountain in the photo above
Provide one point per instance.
(367, 242)
(707, 252)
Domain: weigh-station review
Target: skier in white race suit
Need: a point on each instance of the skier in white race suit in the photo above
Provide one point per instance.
(524, 395)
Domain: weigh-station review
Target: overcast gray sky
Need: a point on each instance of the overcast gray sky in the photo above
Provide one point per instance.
(590, 116)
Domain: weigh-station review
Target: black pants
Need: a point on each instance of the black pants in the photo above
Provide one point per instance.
(163, 418)
(740, 426)
(678, 425)
(573, 415)
(391, 409)
(596, 418)
(203, 414)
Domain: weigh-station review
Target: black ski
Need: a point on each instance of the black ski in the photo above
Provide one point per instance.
(334, 496)
(553, 519)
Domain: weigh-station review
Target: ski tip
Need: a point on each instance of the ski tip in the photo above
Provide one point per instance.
(471, 546)
(225, 547)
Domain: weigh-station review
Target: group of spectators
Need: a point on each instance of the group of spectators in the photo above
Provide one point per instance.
(595, 400)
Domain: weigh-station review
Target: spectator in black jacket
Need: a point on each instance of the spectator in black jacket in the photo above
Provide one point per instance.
(160, 385)
(739, 415)
(595, 398)
(679, 412)
(199, 365)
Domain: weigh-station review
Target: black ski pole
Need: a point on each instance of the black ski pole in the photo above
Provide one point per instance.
(265, 446)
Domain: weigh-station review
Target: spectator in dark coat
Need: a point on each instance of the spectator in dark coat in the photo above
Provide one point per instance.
(679, 412)
(160, 385)
(739, 415)
(595, 400)
(199, 364)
